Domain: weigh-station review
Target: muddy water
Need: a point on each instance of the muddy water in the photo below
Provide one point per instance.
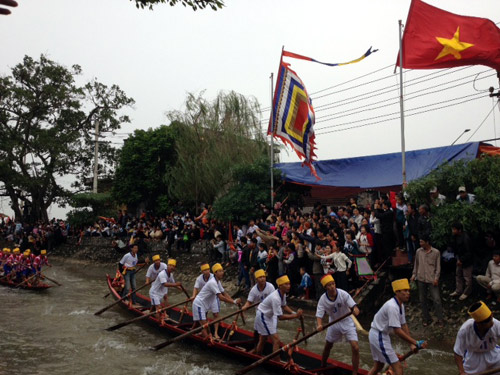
(56, 332)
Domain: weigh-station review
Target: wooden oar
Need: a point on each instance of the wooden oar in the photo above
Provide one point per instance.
(136, 272)
(28, 279)
(123, 324)
(358, 325)
(48, 278)
(302, 327)
(490, 372)
(185, 291)
(121, 299)
(286, 347)
(198, 329)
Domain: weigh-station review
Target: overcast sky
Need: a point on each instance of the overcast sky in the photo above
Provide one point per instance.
(158, 56)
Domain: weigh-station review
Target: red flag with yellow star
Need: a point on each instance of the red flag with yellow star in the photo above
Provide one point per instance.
(434, 38)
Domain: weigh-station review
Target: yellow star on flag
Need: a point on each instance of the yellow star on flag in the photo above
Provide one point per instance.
(452, 46)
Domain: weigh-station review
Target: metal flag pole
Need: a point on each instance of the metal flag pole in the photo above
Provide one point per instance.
(272, 141)
(401, 104)
(272, 127)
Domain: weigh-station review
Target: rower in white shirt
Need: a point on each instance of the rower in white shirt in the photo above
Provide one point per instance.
(476, 347)
(391, 318)
(159, 289)
(206, 298)
(336, 303)
(155, 269)
(199, 283)
(270, 310)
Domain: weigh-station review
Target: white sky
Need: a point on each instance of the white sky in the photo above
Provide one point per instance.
(158, 56)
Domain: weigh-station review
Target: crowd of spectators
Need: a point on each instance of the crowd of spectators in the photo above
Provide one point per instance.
(35, 237)
(287, 240)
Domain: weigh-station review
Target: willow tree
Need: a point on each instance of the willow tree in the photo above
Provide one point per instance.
(217, 135)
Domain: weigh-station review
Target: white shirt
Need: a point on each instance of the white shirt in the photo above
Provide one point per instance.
(158, 288)
(257, 295)
(129, 260)
(341, 305)
(153, 272)
(391, 315)
(209, 292)
(272, 304)
(200, 281)
(468, 339)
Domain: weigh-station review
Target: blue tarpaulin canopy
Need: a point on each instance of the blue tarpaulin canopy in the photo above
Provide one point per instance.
(377, 170)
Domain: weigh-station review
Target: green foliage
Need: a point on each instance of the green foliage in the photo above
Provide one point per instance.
(89, 207)
(481, 177)
(193, 4)
(46, 131)
(251, 189)
(144, 160)
(215, 137)
(80, 218)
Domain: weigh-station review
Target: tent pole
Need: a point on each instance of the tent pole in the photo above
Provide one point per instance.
(401, 105)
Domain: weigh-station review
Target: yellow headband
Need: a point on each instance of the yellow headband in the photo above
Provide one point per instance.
(156, 257)
(205, 267)
(400, 284)
(259, 273)
(282, 280)
(479, 311)
(28, 251)
(43, 252)
(216, 267)
(6, 250)
(325, 280)
(17, 250)
(172, 262)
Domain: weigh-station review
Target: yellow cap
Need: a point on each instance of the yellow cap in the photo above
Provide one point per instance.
(400, 284)
(282, 280)
(479, 311)
(28, 251)
(172, 262)
(17, 250)
(6, 250)
(216, 267)
(156, 257)
(259, 273)
(205, 267)
(325, 280)
(43, 252)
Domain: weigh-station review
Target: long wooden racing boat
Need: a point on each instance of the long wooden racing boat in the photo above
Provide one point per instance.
(40, 286)
(237, 345)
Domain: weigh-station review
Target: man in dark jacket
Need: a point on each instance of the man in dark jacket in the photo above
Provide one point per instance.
(386, 217)
(461, 246)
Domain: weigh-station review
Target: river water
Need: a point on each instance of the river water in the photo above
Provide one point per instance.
(56, 332)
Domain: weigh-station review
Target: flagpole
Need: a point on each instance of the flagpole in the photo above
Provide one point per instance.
(273, 129)
(401, 105)
(272, 142)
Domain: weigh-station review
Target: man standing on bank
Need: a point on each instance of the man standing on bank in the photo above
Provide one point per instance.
(391, 318)
(270, 310)
(426, 272)
(476, 348)
(336, 303)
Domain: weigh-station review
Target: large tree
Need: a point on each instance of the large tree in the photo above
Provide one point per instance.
(142, 164)
(216, 136)
(47, 124)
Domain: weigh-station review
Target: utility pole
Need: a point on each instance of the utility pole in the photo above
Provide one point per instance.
(96, 158)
